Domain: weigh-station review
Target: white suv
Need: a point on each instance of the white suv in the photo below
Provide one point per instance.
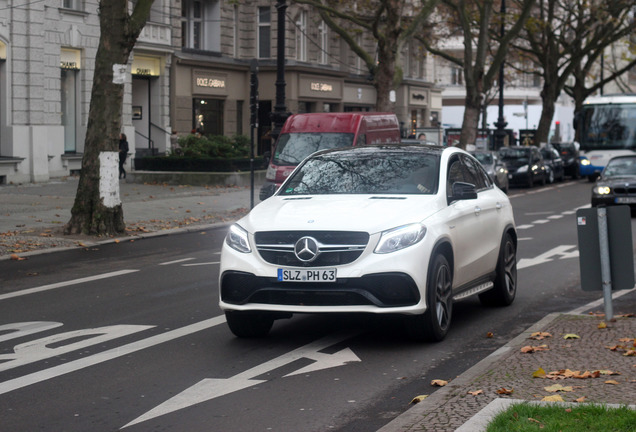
(373, 229)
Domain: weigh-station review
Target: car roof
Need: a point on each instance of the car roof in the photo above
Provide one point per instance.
(388, 148)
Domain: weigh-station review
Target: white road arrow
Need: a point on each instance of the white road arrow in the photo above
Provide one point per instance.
(211, 388)
(559, 252)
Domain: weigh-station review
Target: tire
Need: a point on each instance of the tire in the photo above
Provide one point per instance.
(505, 289)
(249, 324)
(433, 324)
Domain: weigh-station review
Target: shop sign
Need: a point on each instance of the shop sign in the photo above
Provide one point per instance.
(321, 87)
(210, 82)
(146, 66)
(418, 97)
(70, 59)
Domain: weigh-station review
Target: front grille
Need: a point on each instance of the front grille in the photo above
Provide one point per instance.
(336, 247)
(625, 190)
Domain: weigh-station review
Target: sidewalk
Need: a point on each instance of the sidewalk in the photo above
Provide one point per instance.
(32, 217)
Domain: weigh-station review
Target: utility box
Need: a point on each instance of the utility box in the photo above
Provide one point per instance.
(621, 251)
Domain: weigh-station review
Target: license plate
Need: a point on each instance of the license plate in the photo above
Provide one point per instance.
(626, 200)
(307, 275)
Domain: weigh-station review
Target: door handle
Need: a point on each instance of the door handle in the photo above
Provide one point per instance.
(477, 210)
(499, 206)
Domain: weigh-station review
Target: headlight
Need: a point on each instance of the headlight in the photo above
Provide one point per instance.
(237, 239)
(602, 190)
(585, 161)
(399, 238)
(523, 169)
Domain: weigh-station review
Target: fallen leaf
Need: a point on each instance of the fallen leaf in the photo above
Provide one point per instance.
(602, 325)
(571, 336)
(15, 257)
(557, 388)
(116, 241)
(439, 383)
(489, 334)
(630, 353)
(539, 373)
(553, 398)
(476, 392)
(613, 382)
(531, 349)
(418, 399)
(504, 391)
(607, 372)
(530, 419)
(581, 399)
(540, 335)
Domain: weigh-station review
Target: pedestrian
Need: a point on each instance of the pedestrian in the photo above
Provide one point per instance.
(123, 153)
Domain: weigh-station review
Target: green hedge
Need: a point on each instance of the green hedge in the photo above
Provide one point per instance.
(204, 153)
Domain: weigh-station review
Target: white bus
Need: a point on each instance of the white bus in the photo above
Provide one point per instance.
(607, 128)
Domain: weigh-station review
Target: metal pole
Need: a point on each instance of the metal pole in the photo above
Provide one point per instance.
(280, 113)
(606, 274)
(501, 123)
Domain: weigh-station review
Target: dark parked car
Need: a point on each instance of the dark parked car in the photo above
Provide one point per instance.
(617, 183)
(495, 168)
(553, 164)
(570, 155)
(525, 165)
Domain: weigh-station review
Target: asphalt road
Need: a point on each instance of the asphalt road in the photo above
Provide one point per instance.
(129, 336)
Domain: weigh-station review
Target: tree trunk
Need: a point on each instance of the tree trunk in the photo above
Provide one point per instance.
(97, 209)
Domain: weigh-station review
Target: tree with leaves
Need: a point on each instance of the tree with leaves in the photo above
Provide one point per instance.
(476, 23)
(565, 38)
(391, 23)
(97, 209)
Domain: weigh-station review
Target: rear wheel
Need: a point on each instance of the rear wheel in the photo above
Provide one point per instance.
(505, 289)
(433, 324)
(249, 324)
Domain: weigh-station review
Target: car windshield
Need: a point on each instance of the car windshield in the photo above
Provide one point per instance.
(508, 153)
(366, 172)
(620, 167)
(484, 158)
(292, 148)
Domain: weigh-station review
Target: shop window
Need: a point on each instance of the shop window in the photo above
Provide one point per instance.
(264, 32)
(69, 109)
(208, 116)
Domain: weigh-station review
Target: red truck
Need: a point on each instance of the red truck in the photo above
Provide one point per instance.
(304, 134)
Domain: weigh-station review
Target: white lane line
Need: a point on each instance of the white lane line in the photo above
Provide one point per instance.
(554, 217)
(540, 221)
(522, 227)
(525, 238)
(200, 264)
(65, 284)
(176, 261)
(94, 359)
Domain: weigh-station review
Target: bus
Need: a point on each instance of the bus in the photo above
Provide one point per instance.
(607, 128)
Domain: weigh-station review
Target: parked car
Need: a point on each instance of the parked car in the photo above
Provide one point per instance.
(494, 166)
(391, 230)
(617, 183)
(570, 155)
(553, 164)
(525, 165)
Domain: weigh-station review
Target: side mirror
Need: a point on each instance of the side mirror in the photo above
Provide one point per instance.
(464, 191)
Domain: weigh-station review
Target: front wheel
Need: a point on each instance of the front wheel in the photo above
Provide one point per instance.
(433, 324)
(249, 324)
(505, 284)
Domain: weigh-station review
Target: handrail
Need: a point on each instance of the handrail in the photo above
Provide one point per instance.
(151, 143)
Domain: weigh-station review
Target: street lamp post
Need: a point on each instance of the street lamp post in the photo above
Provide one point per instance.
(280, 114)
(500, 133)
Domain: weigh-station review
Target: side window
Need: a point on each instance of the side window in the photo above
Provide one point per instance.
(456, 173)
(476, 171)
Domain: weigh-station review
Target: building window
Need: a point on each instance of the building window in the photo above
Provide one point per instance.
(72, 4)
(323, 32)
(301, 37)
(236, 31)
(192, 24)
(239, 117)
(264, 32)
(457, 76)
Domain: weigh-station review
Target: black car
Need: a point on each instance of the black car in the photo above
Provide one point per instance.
(617, 183)
(570, 155)
(553, 164)
(525, 165)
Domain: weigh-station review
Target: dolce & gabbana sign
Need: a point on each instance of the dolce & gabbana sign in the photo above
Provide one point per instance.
(209, 83)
